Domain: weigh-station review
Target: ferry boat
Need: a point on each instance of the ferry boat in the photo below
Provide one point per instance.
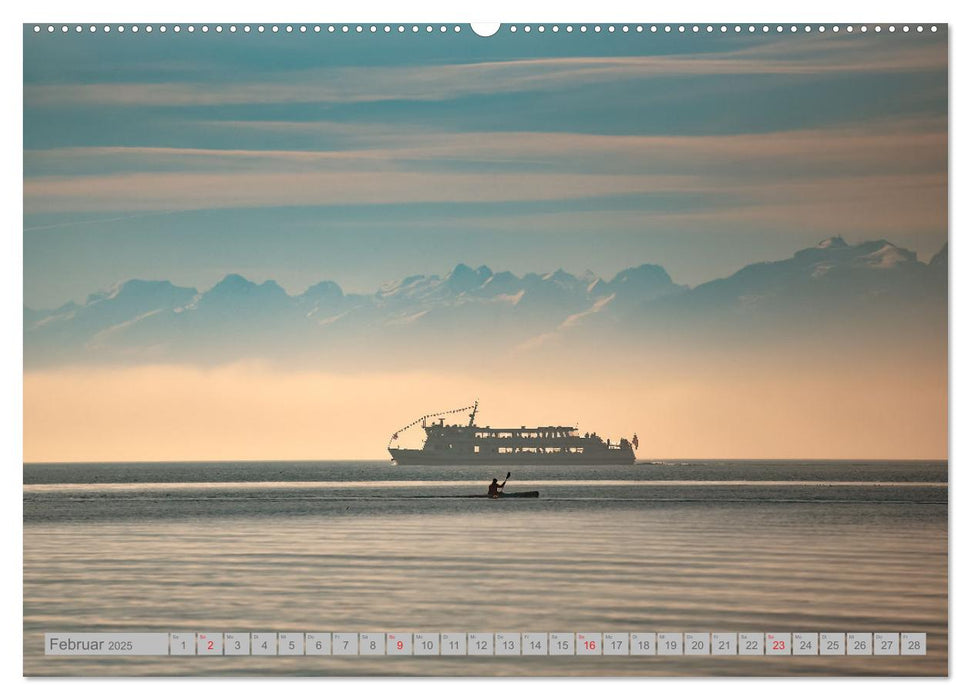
(472, 444)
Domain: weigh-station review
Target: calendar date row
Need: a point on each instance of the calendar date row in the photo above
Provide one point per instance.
(486, 644)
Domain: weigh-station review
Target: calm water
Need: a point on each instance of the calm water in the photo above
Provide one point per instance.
(364, 546)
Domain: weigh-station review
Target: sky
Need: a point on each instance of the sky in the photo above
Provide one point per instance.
(368, 158)
(712, 410)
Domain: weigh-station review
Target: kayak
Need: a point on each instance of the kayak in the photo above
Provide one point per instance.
(515, 494)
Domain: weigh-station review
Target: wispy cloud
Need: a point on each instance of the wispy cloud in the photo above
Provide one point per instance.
(107, 220)
(795, 56)
(901, 145)
(877, 167)
(156, 191)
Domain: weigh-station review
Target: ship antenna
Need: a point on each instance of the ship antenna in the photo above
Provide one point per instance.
(475, 408)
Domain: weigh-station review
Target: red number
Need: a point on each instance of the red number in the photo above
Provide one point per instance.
(779, 644)
(591, 645)
(209, 647)
(400, 645)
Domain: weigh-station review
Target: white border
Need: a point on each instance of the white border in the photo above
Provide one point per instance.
(386, 11)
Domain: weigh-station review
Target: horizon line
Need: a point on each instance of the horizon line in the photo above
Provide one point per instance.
(645, 462)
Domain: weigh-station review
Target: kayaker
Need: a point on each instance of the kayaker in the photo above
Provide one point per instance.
(495, 488)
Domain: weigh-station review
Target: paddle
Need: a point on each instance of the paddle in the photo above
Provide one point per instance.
(508, 474)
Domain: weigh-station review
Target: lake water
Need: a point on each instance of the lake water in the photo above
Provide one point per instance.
(366, 546)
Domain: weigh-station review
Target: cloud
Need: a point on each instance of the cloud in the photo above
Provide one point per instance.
(873, 205)
(795, 56)
(187, 191)
(902, 161)
(109, 220)
(897, 144)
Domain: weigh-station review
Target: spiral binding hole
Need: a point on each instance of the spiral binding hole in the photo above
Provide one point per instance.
(511, 29)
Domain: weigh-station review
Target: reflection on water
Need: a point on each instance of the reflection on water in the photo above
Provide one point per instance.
(733, 557)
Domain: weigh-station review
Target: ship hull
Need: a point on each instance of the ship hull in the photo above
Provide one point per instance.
(424, 458)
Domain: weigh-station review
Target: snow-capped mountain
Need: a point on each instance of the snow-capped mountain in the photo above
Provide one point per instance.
(493, 312)
(829, 277)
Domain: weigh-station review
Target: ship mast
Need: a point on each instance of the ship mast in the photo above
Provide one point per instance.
(425, 417)
(475, 408)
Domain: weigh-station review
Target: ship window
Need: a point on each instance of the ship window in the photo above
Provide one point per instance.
(476, 448)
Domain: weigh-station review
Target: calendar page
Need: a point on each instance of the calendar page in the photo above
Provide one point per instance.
(485, 350)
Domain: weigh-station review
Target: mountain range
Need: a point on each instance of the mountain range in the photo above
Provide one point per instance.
(481, 312)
